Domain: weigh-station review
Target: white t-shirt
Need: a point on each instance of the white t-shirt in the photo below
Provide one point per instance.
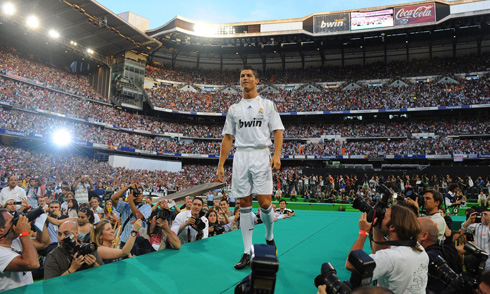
(401, 269)
(17, 194)
(441, 224)
(251, 121)
(11, 280)
(180, 219)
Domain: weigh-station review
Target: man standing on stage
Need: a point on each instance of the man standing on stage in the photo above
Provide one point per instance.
(250, 121)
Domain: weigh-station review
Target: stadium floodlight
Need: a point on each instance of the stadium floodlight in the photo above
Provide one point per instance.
(8, 8)
(54, 34)
(90, 51)
(32, 21)
(73, 43)
(61, 138)
(206, 30)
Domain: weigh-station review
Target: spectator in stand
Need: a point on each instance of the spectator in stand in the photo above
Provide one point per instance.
(96, 209)
(111, 214)
(482, 199)
(452, 202)
(85, 224)
(12, 191)
(100, 190)
(104, 236)
(18, 255)
(159, 234)
(131, 210)
(72, 210)
(33, 193)
(81, 187)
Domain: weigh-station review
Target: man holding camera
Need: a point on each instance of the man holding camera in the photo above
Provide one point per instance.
(480, 230)
(68, 257)
(18, 256)
(403, 267)
(191, 225)
(432, 203)
(130, 211)
(81, 187)
(12, 191)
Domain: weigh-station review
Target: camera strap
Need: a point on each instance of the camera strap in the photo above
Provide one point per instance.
(407, 243)
(130, 217)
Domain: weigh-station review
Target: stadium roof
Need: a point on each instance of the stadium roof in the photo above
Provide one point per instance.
(86, 22)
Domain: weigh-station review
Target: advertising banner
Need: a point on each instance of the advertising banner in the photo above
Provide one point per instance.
(328, 23)
(371, 19)
(415, 14)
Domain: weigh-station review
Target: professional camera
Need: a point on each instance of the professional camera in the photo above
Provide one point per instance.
(361, 275)
(218, 229)
(31, 215)
(200, 225)
(163, 214)
(86, 248)
(264, 264)
(70, 243)
(378, 211)
(439, 269)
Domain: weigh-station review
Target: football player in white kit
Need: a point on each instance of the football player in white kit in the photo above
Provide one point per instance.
(250, 122)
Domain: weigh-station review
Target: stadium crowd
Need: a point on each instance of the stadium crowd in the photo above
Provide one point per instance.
(467, 92)
(392, 70)
(26, 66)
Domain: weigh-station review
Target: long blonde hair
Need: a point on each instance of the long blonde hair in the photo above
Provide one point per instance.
(99, 228)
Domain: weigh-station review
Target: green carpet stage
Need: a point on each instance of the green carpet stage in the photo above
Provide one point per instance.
(305, 242)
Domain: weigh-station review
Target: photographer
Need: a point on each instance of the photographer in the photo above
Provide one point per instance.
(64, 259)
(432, 203)
(17, 258)
(215, 228)
(428, 238)
(130, 211)
(81, 187)
(452, 201)
(158, 232)
(191, 225)
(480, 231)
(403, 267)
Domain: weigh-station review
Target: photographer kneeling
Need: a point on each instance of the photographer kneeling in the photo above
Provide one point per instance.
(70, 256)
(191, 225)
(403, 267)
(158, 232)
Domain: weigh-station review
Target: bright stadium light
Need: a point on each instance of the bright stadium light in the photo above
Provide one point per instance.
(61, 138)
(8, 8)
(54, 34)
(90, 51)
(205, 29)
(32, 21)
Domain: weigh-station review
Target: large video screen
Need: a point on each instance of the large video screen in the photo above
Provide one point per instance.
(371, 19)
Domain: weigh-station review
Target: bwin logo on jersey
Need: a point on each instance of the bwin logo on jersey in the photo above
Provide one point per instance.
(249, 124)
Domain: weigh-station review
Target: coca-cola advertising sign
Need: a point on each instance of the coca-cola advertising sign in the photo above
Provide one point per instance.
(415, 14)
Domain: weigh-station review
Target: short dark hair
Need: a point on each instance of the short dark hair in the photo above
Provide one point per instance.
(249, 67)
(283, 200)
(437, 196)
(225, 200)
(452, 187)
(198, 198)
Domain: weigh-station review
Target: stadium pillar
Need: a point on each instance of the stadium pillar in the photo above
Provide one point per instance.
(454, 46)
(430, 49)
(302, 54)
(283, 59)
(478, 45)
(322, 56)
(342, 54)
(174, 59)
(198, 59)
(408, 50)
(363, 55)
(221, 62)
(386, 53)
(264, 62)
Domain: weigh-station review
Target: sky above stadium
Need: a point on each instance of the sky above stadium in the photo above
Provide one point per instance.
(160, 12)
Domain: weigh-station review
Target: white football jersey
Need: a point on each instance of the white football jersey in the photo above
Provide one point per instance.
(251, 121)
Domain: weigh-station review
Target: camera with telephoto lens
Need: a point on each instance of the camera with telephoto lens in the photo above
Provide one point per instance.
(70, 243)
(264, 264)
(379, 210)
(465, 282)
(362, 274)
(163, 214)
(31, 215)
